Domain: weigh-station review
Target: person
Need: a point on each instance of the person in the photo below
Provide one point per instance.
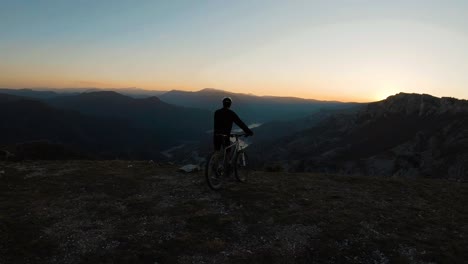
(223, 119)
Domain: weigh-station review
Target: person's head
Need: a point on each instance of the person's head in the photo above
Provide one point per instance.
(227, 101)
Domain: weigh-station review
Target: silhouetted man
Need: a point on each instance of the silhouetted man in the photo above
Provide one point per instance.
(223, 119)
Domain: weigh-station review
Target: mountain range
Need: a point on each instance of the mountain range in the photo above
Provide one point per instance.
(41, 93)
(406, 135)
(251, 108)
(102, 124)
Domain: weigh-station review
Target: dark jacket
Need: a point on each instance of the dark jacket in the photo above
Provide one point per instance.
(223, 119)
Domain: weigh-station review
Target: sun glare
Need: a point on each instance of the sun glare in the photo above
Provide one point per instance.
(385, 91)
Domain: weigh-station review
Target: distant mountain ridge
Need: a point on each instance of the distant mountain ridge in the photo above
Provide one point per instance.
(29, 93)
(44, 93)
(252, 108)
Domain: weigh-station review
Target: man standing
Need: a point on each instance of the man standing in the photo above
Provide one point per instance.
(223, 119)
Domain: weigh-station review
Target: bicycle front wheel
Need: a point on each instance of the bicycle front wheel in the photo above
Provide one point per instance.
(214, 171)
(242, 167)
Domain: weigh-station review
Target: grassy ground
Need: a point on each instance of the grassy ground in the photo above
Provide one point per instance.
(136, 212)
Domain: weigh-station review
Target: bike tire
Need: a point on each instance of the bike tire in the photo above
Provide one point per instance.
(213, 178)
(242, 168)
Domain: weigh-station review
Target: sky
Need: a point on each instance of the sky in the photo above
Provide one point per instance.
(345, 50)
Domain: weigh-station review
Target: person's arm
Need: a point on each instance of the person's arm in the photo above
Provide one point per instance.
(241, 124)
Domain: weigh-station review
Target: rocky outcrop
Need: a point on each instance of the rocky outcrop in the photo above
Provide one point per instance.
(408, 135)
(417, 104)
(190, 168)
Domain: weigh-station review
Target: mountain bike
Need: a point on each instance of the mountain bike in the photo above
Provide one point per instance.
(231, 158)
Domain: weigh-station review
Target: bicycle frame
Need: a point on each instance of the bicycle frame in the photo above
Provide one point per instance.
(236, 163)
(234, 149)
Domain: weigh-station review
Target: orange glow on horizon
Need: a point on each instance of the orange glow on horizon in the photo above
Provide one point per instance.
(273, 91)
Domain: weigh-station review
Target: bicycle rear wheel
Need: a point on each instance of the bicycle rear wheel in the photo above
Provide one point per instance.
(214, 171)
(242, 167)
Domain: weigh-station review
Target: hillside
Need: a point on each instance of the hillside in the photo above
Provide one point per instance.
(275, 130)
(100, 124)
(140, 212)
(169, 122)
(73, 134)
(407, 135)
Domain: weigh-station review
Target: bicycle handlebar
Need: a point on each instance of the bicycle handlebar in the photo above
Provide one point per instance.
(233, 135)
(239, 135)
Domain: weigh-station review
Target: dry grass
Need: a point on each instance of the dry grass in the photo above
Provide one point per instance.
(110, 212)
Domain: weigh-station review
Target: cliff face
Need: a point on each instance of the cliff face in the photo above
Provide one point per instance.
(417, 104)
(405, 135)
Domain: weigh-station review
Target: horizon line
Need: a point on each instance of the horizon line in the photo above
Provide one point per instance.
(52, 89)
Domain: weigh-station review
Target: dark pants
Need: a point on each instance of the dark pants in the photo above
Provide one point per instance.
(220, 141)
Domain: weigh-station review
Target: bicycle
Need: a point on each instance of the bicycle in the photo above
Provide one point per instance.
(221, 163)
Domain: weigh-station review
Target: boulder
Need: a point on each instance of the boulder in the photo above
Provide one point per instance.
(189, 168)
(6, 155)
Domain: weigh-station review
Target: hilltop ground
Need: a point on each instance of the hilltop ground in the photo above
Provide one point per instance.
(139, 212)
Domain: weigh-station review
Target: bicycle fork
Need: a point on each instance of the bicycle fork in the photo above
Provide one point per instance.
(243, 159)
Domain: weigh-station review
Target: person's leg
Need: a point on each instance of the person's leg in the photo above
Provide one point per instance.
(227, 142)
(217, 142)
(217, 155)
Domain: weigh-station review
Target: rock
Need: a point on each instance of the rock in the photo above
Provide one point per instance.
(6, 155)
(189, 168)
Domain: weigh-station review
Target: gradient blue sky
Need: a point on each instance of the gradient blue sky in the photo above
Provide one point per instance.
(345, 50)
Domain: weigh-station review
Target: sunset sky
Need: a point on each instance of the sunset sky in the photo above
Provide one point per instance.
(345, 50)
